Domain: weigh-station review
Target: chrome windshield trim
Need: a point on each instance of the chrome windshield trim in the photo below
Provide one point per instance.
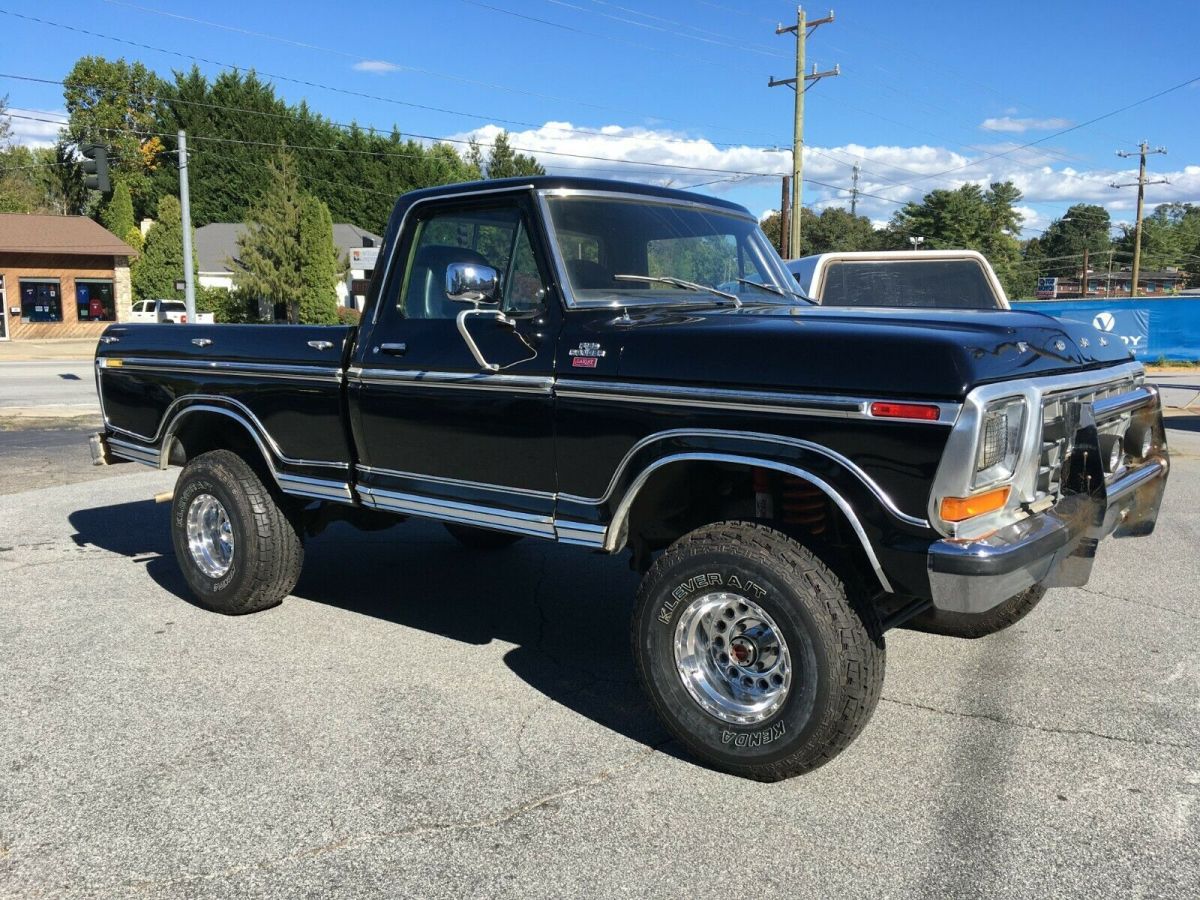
(798, 443)
(754, 401)
(222, 367)
(204, 404)
(635, 197)
(527, 384)
(615, 536)
(782, 277)
(456, 482)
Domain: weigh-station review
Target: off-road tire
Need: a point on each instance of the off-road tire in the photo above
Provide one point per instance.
(268, 551)
(834, 640)
(977, 625)
(481, 538)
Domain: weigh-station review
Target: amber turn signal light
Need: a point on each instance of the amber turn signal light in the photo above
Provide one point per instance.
(957, 509)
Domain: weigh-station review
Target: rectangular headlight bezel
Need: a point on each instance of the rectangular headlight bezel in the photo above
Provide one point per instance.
(1001, 435)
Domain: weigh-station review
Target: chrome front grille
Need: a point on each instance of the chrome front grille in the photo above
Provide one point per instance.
(1056, 441)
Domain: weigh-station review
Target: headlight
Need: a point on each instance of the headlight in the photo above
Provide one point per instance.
(999, 442)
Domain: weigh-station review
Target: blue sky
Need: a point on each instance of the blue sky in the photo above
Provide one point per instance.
(925, 87)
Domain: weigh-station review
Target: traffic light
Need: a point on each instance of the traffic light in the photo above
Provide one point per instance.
(95, 168)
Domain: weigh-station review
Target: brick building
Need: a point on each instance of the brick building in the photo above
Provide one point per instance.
(60, 277)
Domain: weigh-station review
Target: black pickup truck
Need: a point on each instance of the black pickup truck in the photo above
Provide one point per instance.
(549, 357)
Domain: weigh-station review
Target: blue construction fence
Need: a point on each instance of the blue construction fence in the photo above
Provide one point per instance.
(1167, 328)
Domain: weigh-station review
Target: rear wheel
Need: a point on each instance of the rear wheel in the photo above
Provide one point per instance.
(238, 548)
(481, 538)
(752, 653)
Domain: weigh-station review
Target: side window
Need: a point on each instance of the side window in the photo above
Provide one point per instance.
(485, 236)
(523, 289)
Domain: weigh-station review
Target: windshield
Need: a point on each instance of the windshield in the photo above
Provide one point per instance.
(619, 252)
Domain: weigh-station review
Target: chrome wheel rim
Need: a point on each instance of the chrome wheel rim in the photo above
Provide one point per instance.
(210, 535)
(732, 658)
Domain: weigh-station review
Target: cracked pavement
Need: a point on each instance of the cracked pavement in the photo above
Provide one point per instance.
(423, 720)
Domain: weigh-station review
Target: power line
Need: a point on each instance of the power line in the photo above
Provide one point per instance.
(387, 153)
(414, 69)
(660, 28)
(1092, 121)
(314, 84)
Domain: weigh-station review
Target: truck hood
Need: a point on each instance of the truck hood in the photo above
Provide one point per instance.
(911, 353)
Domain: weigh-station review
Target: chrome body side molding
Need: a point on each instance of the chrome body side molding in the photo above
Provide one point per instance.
(616, 533)
(520, 384)
(797, 443)
(463, 513)
(778, 402)
(204, 402)
(220, 367)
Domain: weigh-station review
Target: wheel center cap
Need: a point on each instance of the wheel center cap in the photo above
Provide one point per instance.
(743, 650)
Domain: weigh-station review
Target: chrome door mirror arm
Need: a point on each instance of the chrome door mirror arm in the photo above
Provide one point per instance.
(461, 321)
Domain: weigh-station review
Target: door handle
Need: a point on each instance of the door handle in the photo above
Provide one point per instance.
(201, 342)
(398, 349)
(320, 345)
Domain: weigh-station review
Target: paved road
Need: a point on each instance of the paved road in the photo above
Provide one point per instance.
(420, 720)
(69, 385)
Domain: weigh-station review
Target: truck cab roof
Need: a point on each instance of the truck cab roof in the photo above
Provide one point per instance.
(570, 183)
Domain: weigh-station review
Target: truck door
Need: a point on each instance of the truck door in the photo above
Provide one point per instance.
(437, 434)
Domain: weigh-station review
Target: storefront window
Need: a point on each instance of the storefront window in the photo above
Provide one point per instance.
(94, 300)
(41, 301)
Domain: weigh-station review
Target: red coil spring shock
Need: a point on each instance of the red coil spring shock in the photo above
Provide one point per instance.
(803, 504)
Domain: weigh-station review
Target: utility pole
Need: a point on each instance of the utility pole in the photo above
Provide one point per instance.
(854, 191)
(800, 84)
(185, 206)
(785, 215)
(1083, 280)
(1143, 150)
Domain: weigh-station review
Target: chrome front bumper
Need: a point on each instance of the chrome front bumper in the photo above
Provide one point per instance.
(1055, 548)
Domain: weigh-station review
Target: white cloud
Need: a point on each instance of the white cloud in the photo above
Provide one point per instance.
(1049, 184)
(35, 134)
(376, 66)
(1019, 126)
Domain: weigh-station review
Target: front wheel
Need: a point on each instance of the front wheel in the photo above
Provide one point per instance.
(236, 545)
(752, 653)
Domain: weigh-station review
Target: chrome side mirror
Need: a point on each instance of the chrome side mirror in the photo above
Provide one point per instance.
(472, 283)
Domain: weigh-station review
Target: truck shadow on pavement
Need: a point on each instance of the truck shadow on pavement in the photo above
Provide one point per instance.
(566, 611)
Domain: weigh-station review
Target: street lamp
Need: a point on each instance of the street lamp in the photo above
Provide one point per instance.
(916, 242)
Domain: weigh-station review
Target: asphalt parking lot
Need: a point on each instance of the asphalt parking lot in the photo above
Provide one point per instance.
(422, 720)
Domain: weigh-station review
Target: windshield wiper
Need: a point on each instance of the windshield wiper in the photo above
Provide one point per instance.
(680, 283)
(776, 290)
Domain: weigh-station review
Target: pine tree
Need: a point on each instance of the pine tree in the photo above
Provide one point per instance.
(504, 162)
(160, 264)
(118, 214)
(319, 264)
(270, 258)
